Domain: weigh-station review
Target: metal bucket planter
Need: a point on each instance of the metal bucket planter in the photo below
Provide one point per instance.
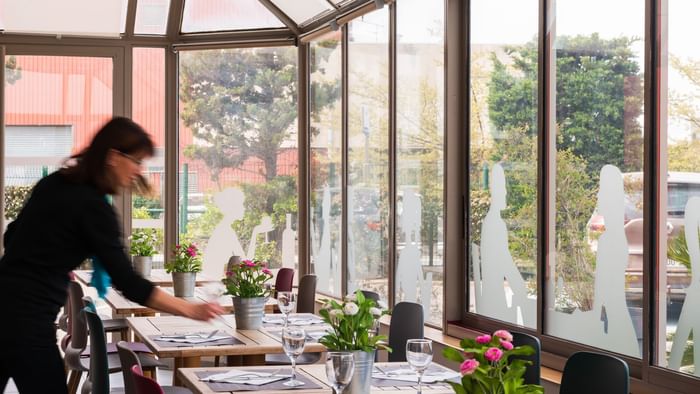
(183, 283)
(248, 312)
(142, 265)
(362, 377)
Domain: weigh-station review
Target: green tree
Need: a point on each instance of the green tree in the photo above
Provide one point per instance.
(598, 98)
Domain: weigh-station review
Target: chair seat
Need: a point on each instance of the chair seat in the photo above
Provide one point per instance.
(115, 364)
(282, 359)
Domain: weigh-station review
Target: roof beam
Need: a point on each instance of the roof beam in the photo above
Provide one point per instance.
(284, 18)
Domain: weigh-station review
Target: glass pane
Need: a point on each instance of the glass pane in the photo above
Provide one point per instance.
(148, 212)
(238, 155)
(595, 262)
(151, 16)
(219, 15)
(368, 155)
(502, 152)
(679, 115)
(54, 105)
(326, 162)
(420, 137)
(302, 10)
(84, 17)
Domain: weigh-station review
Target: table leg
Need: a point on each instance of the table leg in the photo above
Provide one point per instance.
(184, 362)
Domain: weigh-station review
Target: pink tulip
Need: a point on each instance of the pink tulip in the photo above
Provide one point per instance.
(267, 271)
(507, 345)
(229, 273)
(250, 263)
(483, 339)
(468, 367)
(493, 354)
(503, 334)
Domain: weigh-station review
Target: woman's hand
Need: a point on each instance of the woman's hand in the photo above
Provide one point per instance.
(206, 311)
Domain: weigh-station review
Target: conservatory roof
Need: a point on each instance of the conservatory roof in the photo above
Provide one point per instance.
(153, 18)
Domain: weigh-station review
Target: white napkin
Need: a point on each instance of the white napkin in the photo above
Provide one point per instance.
(245, 377)
(316, 335)
(409, 375)
(193, 338)
(293, 321)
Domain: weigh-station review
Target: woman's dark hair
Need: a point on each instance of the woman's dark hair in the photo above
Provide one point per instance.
(90, 166)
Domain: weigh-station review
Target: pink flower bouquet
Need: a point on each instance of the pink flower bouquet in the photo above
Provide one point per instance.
(487, 368)
(247, 279)
(185, 258)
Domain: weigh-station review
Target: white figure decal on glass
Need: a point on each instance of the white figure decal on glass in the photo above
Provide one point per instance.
(689, 320)
(609, 302)
(608, 325)
(322, 254)
(288, 243)
(409, 272)
(223, 241)
(497, 266)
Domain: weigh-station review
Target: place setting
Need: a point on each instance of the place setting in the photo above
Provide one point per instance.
(419, 370)
(295, 319)
(212, 338)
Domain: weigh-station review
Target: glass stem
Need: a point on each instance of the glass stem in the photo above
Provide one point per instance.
(294, 369)
(420, 382)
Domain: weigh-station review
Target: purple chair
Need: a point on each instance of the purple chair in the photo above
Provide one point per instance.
(143, 384)
(285, 277)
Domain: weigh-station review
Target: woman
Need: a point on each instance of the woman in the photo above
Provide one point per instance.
(65, 220)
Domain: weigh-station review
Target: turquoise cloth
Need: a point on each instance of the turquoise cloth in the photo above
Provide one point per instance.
(100, 278)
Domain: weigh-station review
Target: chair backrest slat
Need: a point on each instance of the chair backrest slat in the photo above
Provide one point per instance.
(532, 373)
(143, 384)
(588, 372)
(306, 299)
(99, 366)
(284, 280)
(128, 359)
(406, 323)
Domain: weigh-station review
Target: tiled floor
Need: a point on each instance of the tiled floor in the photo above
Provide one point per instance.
(165, 376)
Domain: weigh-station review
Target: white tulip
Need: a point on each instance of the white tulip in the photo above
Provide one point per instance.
(351, 309)
(336, 313)
(375, 311)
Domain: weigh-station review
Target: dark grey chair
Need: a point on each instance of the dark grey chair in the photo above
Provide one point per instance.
(128, 359)
(98, 376)
(306, 298)
(588, 372)
(532, 373)
(374, 296)
(406, 323)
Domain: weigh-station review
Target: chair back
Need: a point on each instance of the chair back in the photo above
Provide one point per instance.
(372, 295)
(284, 280)
(128, 359)
(78, 335)
(532, 371)
(588, 372)
(143, 384)
(99, 366)
(306, 299)
(406, 323)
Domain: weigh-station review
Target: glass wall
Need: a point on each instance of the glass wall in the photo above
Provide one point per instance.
(420, 155)
(148, 110)
(238, 155)
(326, 205)
(679, 207)
(368, 153)
(502, 160)
(54, 105)
(595, 264)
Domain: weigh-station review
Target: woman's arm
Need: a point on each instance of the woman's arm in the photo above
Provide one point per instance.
(163, 301)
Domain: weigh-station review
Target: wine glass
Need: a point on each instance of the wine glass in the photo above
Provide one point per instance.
(419, 354)
(339, 369)
(293, 339)
(286, 302)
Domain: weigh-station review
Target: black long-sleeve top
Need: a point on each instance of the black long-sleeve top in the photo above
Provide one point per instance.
(62, 224)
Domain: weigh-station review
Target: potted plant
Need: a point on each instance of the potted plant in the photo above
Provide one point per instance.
(142, 248)
(245, 282)
(487, 366)
(355, 328)
(184, 265)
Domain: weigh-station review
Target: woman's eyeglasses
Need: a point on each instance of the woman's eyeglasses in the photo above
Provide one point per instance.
(133, 159)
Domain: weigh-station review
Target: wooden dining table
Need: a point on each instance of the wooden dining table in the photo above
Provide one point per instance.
(158, 277)
(315, 374)
(250, 349)
(123, 307)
